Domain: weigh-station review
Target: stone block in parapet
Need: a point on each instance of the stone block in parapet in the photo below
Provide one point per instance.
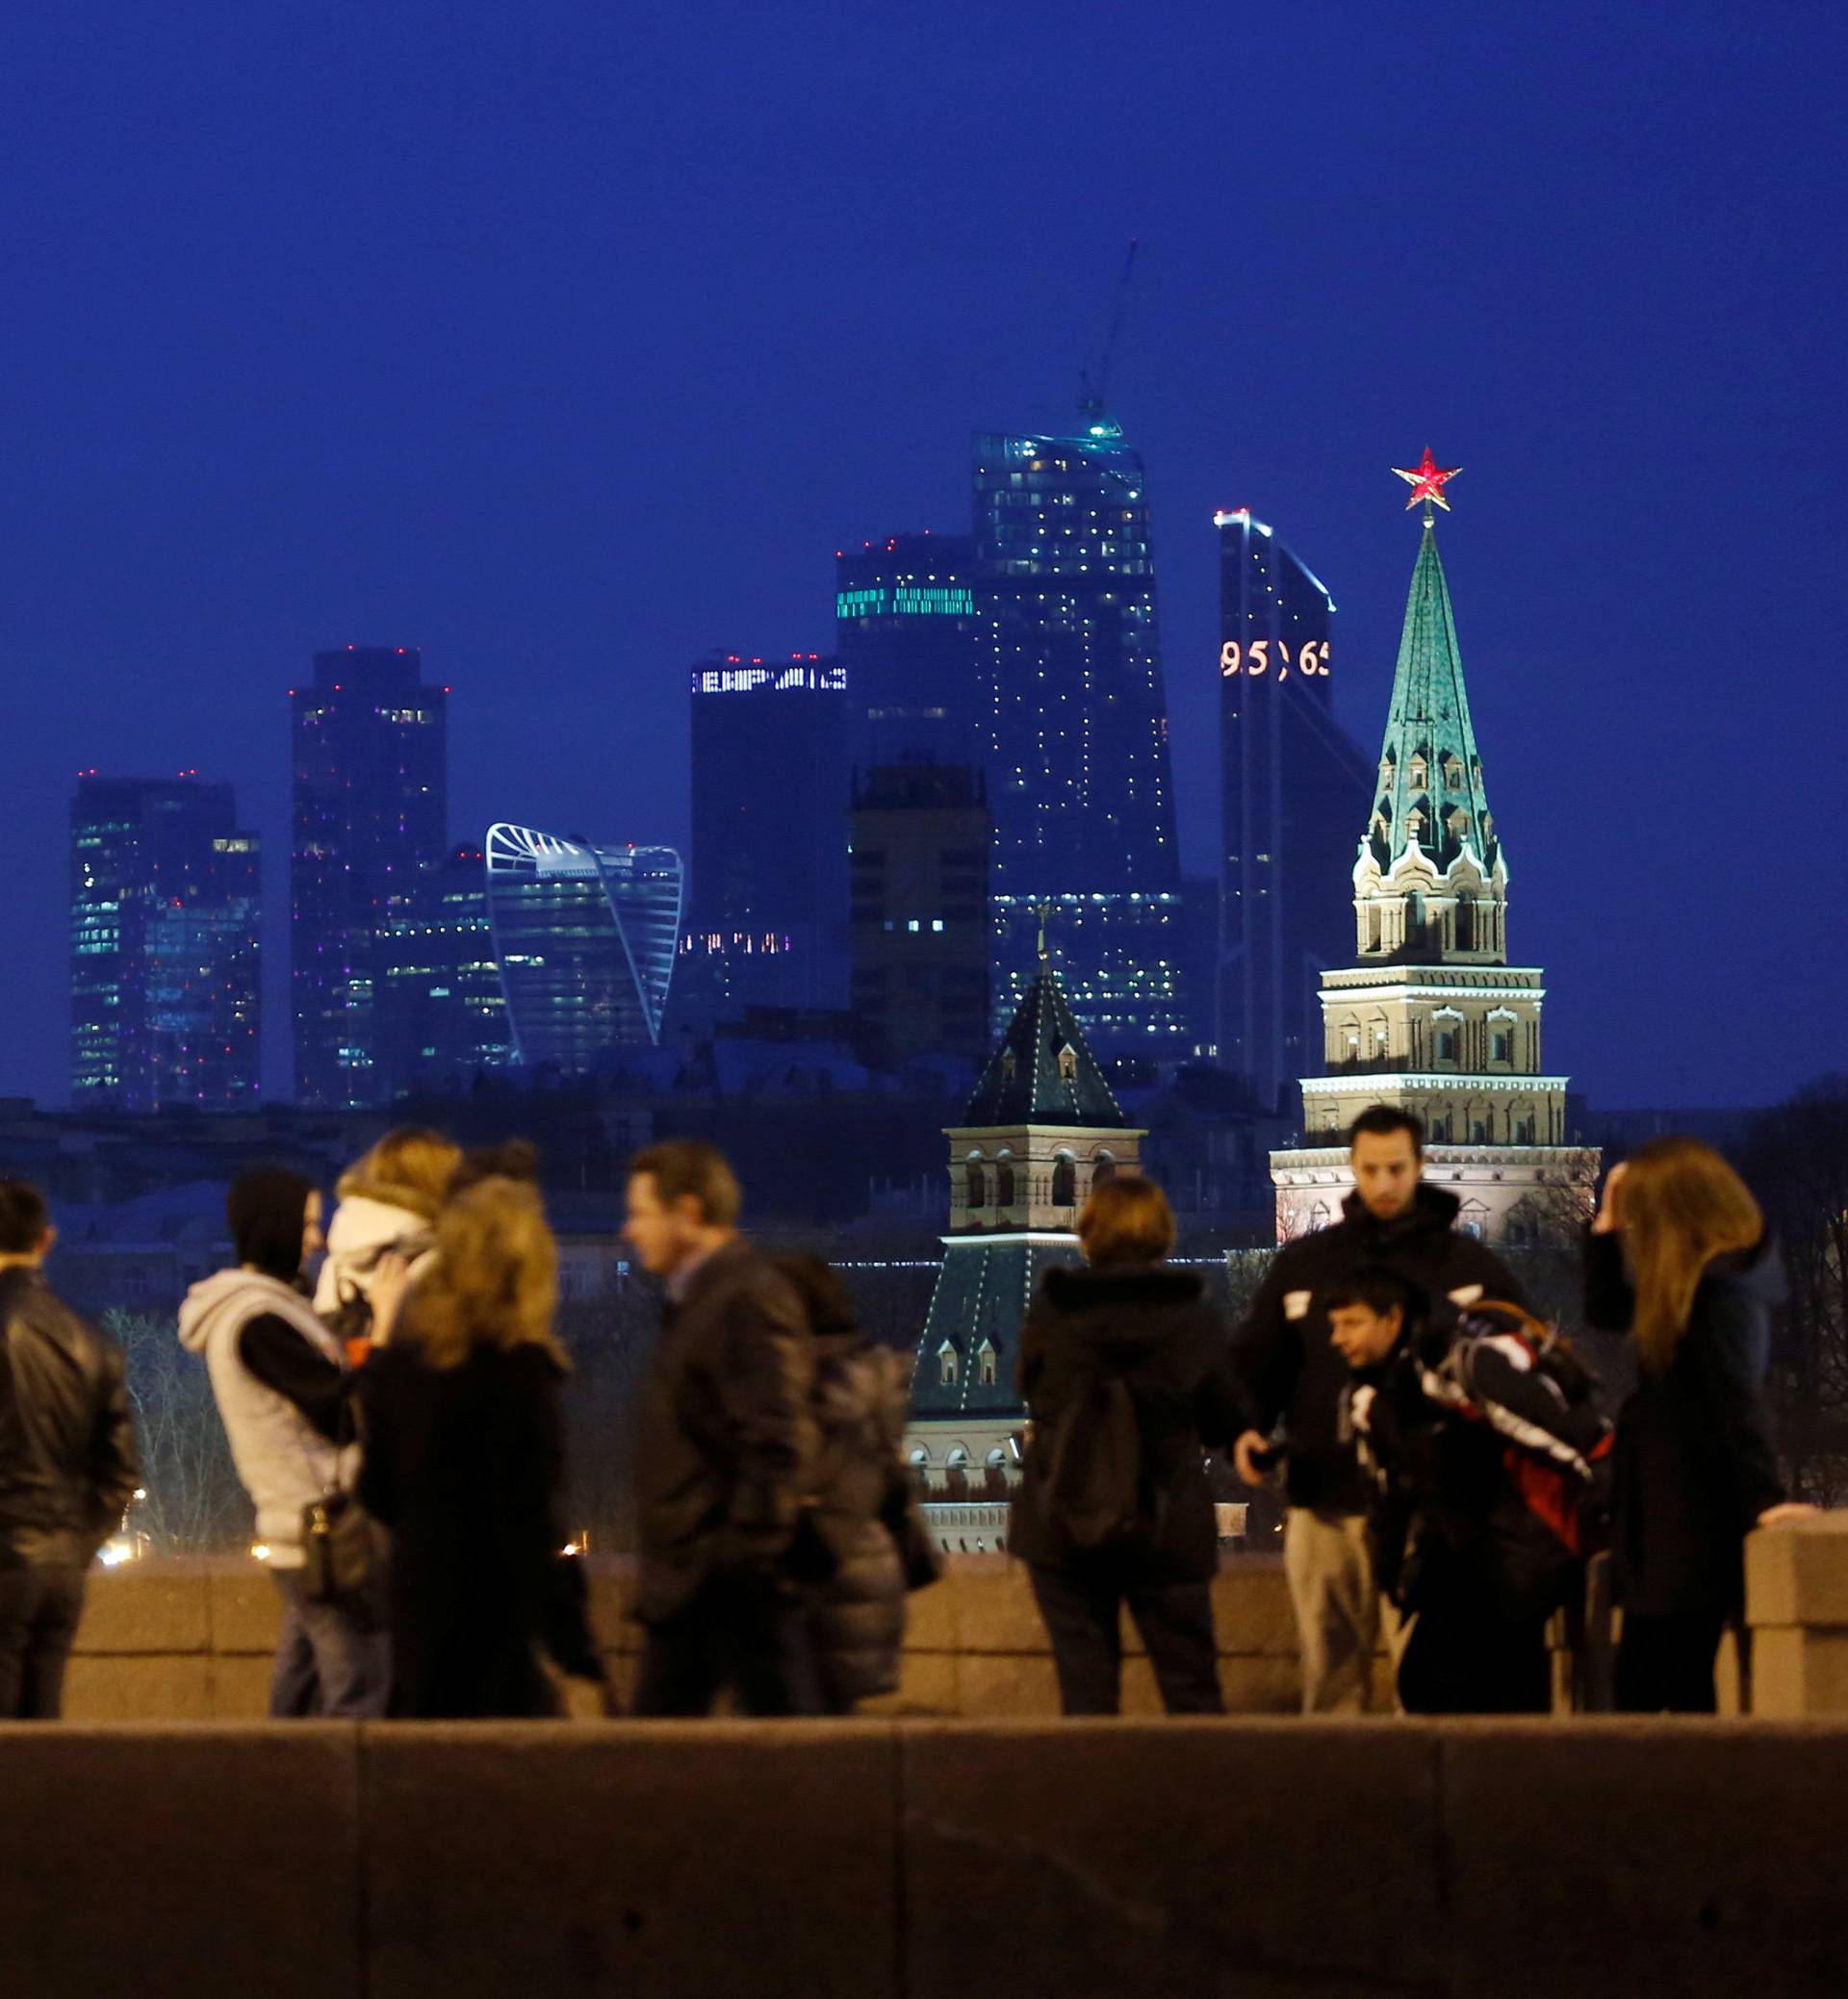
(1170, 1861)
(1796, 1606)
(147, 1606)
(1706, 1854)
(646, 1857)
(166, 1862)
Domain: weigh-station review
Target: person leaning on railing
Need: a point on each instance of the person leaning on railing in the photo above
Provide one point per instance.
(1680, 1259)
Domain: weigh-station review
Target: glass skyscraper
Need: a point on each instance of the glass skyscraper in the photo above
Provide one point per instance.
(1074, 728)
(771, 789)
(1294, 787)
(585, 940)
(370, 812)
(442, 1015)
(905, 635)
(166, 908)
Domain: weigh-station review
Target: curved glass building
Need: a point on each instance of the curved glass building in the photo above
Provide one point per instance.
(585, 938)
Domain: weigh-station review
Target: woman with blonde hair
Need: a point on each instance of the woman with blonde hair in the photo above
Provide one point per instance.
(464, 1462)
(1124, 1370)
(1680, 1259)
(389, 1202)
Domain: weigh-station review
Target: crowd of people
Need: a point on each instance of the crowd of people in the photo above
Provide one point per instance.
(392, 1390)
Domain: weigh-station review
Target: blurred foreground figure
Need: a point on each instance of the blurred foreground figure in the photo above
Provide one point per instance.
(280, 1378)
(67, 1464)
(1489, 1454)
(1679, 1258)
(862, 1544)
(389, 1202)
(724, 1454)
(465, 1463)
(1124, 1371)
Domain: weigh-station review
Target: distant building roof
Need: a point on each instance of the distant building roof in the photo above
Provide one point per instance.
(1043, 1073)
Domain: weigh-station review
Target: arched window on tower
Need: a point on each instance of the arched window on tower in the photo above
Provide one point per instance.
(946, 1365)
(1102, 1167)
(986, 1365)
(978, 1184)
(1069, 1064)
(1065, 1181)
(1465, 925)
(1004, 1182)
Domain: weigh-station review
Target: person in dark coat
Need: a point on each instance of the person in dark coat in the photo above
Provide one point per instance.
(725, 1452)
(1680, 1259)
(847, 1555)
(1291, 1373)
(464, 1462)
(1125, 1323)
(68, 1461)
(1463, 1423)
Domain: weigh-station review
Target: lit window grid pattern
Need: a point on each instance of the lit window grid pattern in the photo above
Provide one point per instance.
(585, 938)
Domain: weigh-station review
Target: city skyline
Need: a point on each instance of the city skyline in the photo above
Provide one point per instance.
(213, 475)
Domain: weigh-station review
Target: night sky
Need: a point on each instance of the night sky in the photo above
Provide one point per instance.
(570, 341)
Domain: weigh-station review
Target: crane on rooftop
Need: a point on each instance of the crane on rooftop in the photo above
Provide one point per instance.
(1094, 386)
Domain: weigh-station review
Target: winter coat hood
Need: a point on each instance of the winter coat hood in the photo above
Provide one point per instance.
(364, 1225)
(242, 1295)
(1126, 1308)
(1757, 1275)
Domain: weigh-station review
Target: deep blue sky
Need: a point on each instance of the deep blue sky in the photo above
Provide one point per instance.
(568, 341)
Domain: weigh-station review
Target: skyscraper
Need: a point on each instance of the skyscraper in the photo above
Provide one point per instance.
(1432, 1017)
(918, 837)
(1075, 733)
(585, 938)
(905, 635)
(166, 914)
(1294, 787)
(769, 889)
(443, 1015)
(371, 809)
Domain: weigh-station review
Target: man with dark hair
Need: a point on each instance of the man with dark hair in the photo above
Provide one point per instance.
(726, 1448)
(68, 1463)
(1396, 1223)
(280, 1380)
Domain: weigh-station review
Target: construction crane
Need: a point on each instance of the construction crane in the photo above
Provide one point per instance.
(1094, 388)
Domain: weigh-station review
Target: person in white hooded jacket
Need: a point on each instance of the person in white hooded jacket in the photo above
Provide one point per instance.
(389, 1202)
(282, 1386)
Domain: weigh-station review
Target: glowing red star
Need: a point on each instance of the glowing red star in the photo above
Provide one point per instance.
(1426, 480)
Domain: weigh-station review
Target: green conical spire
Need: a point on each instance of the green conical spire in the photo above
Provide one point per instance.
(1429, 787)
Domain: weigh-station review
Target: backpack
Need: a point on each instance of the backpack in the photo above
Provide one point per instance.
(1093, 1458)
(1560, 1444)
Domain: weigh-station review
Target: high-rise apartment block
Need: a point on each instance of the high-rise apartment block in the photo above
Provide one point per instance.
(1294, 785)
(906, 630)
(768, 889)
(166, 910)
(1075, 734)
(918, 861)
(370, 812)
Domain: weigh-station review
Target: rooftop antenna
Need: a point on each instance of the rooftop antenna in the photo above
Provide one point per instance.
(1093, 387)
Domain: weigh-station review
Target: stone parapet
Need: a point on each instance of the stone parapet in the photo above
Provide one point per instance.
(902, 1860)
(1796, 1604)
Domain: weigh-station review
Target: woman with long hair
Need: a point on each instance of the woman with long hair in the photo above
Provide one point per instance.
(464, 1462)
(1680, 1259)
(1124, 1371)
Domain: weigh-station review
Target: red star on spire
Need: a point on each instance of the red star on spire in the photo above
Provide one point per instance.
(1426, 480)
